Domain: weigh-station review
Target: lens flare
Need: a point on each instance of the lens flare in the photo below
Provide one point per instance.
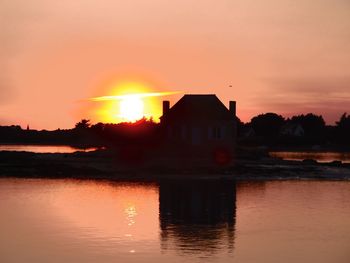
(132, 106)
(140, 95)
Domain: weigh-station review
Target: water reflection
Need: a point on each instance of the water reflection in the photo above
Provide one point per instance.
(99, 221)
(318, 156)
(197, 217)
(44, 148)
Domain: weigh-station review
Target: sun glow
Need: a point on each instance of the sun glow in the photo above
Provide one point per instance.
(131, 108)
(129, 102)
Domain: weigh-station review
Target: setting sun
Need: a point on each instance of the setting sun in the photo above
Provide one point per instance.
(131, 108)
(129, 101)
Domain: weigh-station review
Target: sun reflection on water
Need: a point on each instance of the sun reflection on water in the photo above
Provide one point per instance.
(131, 213)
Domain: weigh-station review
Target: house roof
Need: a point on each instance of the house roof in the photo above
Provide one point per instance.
(198, 107)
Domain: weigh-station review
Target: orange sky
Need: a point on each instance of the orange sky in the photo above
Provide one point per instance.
(283, 56)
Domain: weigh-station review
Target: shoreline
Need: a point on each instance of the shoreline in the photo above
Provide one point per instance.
(103, 165)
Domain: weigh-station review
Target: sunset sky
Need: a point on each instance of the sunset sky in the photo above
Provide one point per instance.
(282, 56)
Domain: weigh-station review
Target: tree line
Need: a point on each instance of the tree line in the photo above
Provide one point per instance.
(263, 129)
(85, 134)
(300, 129)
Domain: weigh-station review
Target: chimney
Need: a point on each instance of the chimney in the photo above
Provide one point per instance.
(232, 107)
(166, 106)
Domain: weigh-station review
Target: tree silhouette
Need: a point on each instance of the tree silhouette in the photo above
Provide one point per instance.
(268, 124)
(83, 124)
(344, 122)
(343, 129)
(313, 125)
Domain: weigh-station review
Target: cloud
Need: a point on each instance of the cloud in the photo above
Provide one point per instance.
(328, 96)
(330, 88)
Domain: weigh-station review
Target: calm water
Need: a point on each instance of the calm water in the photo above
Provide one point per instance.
(89, 221)
(318, 156)
(43, 148)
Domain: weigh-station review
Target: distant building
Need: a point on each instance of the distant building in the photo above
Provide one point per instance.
(292, 129)
(200, 126)
(247, 132)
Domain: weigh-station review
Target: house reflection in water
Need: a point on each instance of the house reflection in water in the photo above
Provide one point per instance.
(197, 217)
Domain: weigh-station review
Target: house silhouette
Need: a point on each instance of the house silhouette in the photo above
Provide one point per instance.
(200, 126)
